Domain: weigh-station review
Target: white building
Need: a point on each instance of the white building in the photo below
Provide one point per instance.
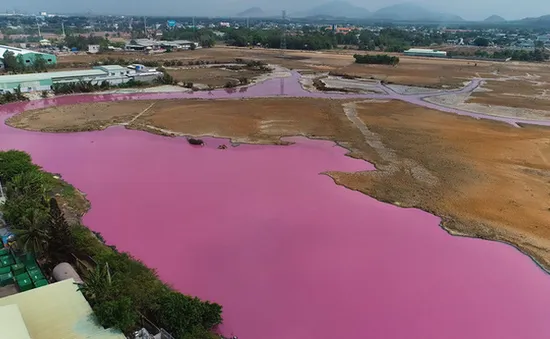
(425, 53)
(94, 49)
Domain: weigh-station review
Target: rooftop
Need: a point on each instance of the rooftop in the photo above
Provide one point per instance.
(46, 317)
(48, 75)
(12, 324)
(16, 51)
(111, 68)
(422, 50)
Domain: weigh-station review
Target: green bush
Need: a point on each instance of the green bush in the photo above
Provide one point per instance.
(184, 314)
(379, 59)
(13, 163)
(119, 313)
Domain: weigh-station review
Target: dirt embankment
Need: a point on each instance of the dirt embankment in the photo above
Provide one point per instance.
(484, 179)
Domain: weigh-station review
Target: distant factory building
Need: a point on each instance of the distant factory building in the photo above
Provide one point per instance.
(148, 44)
(27, 56)
(425, 53)
(113, 74)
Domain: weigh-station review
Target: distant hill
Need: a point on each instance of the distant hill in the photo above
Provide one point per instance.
(413, 12)
(494, 19)
(545, 19)
(336, 9)
(253, 12)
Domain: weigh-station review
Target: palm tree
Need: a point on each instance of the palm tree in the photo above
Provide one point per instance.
(27, 184)
(31, 234)
(97, 283)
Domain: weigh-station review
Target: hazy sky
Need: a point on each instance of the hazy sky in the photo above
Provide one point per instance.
(468, 9)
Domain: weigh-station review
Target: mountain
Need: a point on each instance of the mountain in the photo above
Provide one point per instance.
(253, 12)
(336, 9)
(545, 19)
(412, 12)
(494, 19)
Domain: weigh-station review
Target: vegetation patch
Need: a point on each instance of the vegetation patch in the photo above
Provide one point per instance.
(378, 59)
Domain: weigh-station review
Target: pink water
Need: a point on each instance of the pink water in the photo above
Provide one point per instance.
(288, 253)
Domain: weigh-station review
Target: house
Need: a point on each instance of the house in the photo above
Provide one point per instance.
(55, 311)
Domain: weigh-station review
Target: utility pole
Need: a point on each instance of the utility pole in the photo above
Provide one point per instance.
(283, 34)
(248, 22)
(39, 34)
(194, 30)
(63, 29)
(145, 27)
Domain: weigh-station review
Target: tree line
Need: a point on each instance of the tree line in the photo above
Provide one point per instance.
(89, 86)
(120, 288)
(309, 40)
(378, 59)
(16, 64)
(537, 55)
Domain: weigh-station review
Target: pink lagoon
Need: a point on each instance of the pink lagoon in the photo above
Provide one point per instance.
(287, 252)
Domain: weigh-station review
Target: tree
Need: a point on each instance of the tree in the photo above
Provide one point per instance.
(13, 163)
(97, 284)
(193, 46)
(482, 42)
(19, 96)
(30, 185)
(61, 243)
(181, 314)
(31, 234)
(11, 63)
(119, 313)
(39, 64)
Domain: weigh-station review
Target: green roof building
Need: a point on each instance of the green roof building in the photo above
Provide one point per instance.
(27, 56)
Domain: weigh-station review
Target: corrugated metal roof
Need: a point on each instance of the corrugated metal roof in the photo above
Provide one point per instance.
(12, 324)
(50, 75)
(423, 50)
(58, 311)
(112, 68)
(17, 51)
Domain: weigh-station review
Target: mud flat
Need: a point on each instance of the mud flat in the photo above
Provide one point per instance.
(463, 102)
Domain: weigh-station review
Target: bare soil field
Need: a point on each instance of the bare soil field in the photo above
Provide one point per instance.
(427, 72)
(211, 76)
(484, 178)
(516, 93)
(77, 118)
